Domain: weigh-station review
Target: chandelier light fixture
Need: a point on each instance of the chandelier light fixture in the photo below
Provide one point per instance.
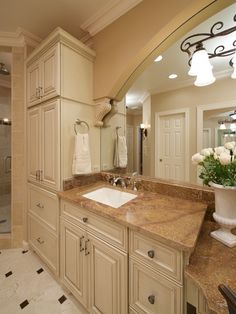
(230, 121)
(199, 57)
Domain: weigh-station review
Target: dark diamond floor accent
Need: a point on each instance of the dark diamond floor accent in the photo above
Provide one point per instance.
(24, 304)
(40, 270)
(24, 251)
(62, 299)
(8, 274)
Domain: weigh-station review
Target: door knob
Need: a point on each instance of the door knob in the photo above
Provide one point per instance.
(151, 299)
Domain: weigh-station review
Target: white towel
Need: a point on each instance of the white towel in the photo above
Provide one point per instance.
(120, 154)
(82, 158)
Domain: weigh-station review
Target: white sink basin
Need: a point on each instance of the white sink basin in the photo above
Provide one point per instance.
(110, 197)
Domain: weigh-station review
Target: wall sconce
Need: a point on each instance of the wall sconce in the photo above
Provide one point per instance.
(199, 58)
(144, 130)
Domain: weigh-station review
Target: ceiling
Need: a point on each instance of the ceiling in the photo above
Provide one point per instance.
(155, 78)
(40, 17)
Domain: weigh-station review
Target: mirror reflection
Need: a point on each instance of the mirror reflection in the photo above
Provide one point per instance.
(166, 116)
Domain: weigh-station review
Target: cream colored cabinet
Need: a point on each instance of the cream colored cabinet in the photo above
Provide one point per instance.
(43, 77)
(44, 144)
(108, 278)
(43, 221)
(74, 265)
(92, 268)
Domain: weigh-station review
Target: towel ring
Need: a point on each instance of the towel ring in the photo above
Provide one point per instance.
(79, 122)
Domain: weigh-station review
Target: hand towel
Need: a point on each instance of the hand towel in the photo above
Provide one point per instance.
(81, 158)
(120, 154)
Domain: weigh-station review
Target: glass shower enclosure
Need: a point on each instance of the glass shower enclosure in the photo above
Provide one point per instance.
(5, 175)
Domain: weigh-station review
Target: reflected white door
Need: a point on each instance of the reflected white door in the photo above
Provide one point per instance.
(171, 147)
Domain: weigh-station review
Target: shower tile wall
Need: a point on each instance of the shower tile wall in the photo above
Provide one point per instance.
(5, 150)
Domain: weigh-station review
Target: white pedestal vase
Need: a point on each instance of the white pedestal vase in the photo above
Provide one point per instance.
(225, 214)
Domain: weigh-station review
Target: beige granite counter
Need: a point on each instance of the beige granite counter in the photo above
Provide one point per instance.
(172, 220)
(211, 264)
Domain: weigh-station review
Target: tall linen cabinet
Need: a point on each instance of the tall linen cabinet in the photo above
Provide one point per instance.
(59, 76)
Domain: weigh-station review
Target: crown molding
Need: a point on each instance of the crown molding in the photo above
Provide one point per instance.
(108, 14)
(19, 38)
(144, 97)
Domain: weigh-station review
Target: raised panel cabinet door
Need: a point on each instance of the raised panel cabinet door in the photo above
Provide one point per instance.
(73, 261)
(152, 293)
(108, 278)
(50, 145)
(33, 147)
(50, 73)
(33, 83)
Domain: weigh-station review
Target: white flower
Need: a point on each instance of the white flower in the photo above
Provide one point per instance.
(207, 152)
(230, 145)
(234, 152)
(225, 159)
(220, 149)
(197, 158)
(216, 156)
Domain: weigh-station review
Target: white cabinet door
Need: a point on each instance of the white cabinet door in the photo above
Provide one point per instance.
(33, 83)
(33, 149)
(50, 144)
(73, 261)
(50, 73)
(108, 279)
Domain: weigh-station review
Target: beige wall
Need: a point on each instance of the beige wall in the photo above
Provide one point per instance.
(128, 45)
(190, 97)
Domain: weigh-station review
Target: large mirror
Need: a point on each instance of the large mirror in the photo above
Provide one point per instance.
(164, 118)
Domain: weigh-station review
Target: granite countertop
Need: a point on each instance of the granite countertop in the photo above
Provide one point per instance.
(171, 220)
(211, 264)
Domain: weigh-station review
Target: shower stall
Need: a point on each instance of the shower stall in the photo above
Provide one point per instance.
(5, 175)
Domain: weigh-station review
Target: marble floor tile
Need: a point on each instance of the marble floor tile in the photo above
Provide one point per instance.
(24, 290)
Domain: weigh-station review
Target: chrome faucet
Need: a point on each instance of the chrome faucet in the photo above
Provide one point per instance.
(120, 180)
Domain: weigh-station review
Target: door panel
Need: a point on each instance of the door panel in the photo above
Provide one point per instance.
(73, 261)
(108, 271)
(33, 79)
(33, 142)
(50, 144)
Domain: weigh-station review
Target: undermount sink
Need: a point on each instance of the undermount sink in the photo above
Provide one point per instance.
(110, 197)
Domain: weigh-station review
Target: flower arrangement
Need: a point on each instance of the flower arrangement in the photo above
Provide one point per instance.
(218, 164)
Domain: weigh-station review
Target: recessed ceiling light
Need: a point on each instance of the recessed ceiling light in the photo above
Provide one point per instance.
(158, 59)
(173, 76)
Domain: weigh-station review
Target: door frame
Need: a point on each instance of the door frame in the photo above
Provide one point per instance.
(158, 116)
(209, 133)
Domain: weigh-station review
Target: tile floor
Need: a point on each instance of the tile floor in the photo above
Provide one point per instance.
(27, 287)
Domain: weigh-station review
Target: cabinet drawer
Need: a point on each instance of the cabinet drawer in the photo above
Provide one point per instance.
(157, 255)
(152, 293)
(44, 243)
(44, 205)
(103, 228)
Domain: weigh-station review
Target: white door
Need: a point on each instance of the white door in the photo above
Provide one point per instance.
(171, 147)
(50, 67)
(207, 138)
(50, 144)
(33, 148)
(130, 144)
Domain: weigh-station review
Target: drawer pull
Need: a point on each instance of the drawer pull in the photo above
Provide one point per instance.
(86, 247)
(40, 241)
(81, 248)
(151, 253)
(151, 299)
(85, 219)
(39, 205)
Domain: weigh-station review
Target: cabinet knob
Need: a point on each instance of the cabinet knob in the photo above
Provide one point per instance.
(151, 299)
(40, 241)
(151, 253)
(85, 219)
